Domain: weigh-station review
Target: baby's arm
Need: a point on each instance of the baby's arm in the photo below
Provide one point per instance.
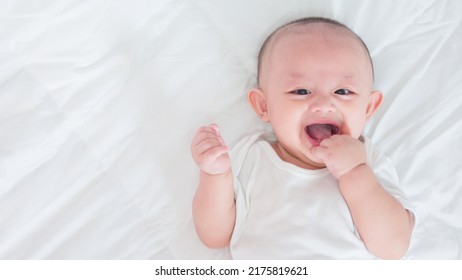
(382, 222)
(214, 208)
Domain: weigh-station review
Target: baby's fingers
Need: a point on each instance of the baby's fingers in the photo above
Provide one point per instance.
(320, 152)
(216, 152)
(206, 132)
(207, 144)
(214, 160)
(209, 150)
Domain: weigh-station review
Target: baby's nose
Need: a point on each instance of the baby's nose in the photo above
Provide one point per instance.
(322, 104)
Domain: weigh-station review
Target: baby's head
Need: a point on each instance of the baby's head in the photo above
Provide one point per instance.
(301, 25)
(315, 79)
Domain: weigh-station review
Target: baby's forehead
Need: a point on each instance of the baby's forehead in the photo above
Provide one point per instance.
(312, 31)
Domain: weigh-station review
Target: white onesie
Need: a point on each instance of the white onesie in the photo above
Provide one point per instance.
(287, 212)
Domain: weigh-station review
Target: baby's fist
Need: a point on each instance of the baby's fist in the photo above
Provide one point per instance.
(340, 154)
(209, 151)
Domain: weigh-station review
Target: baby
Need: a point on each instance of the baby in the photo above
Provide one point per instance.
(315, 188)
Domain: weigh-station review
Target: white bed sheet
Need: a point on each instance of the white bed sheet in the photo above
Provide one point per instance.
(99, 101)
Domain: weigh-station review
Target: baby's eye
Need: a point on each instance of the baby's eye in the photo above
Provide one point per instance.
(300, 91)
(343, 91)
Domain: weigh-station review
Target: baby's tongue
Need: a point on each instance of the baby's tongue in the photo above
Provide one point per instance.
(319, 131)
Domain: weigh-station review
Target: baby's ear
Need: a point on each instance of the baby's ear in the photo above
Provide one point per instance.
(257, 100)
(375, 99)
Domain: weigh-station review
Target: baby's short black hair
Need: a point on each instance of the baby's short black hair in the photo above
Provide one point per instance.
(306, 21)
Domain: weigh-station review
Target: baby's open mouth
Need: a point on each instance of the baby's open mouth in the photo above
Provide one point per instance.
(321, 131)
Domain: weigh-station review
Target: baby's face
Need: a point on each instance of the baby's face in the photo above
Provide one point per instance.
(316, 85)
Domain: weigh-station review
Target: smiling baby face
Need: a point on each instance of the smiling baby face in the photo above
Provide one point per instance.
(315, 81)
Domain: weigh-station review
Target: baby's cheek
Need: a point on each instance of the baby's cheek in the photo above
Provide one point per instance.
(355, 127)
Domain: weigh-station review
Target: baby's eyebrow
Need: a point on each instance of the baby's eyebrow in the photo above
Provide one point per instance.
(348, 76)
(298, 75)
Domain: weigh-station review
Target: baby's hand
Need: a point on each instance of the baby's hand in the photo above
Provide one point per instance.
(340, 154)
(209, 151)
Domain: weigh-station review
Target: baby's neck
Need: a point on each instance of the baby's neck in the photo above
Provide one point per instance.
(286, 156)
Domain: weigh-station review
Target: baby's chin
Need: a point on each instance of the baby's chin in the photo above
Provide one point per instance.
(316, 163)
(310, 161)
(304, 159)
